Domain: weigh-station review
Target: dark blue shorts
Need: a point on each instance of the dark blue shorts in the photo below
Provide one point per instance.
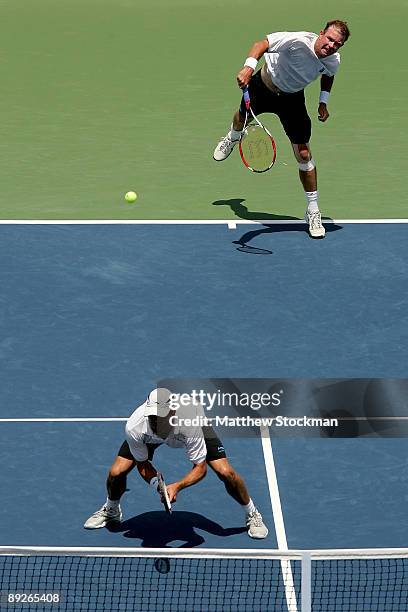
(289, 107)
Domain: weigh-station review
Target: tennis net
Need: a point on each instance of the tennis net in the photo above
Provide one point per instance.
(202, 580)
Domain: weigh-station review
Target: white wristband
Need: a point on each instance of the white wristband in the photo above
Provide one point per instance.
(251, 62)
(154, 482)
(324, 97)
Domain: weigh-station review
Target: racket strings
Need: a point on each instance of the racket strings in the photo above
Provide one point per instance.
(257, 148)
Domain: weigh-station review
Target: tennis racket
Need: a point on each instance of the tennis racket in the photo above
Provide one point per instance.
(162, 489)
(256, 145)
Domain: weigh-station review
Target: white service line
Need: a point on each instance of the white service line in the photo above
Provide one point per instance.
(286, 567)
(113, 419)
(67, 420)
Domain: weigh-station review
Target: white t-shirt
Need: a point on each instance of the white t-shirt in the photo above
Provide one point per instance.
(139, 434)
(291, 62)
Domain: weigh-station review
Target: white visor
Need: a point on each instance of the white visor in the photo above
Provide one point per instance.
(158, 403)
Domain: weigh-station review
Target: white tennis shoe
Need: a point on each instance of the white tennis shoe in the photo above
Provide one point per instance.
(314, 220)
(256, 527)
(102, 517)
(224, 148)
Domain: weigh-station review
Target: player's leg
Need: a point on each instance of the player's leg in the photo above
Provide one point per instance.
(259, 94)
(116, 481)
(227, 143)
(308, 178)
(116, 486)
(307, 168)
(298, 127)
(234, 483)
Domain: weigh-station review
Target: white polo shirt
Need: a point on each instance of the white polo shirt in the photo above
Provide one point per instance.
(139, 434)
(291, 62)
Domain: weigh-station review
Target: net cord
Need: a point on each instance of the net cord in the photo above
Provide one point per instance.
(209, 553)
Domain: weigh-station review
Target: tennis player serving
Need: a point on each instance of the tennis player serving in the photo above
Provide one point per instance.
(149, 427)
(292, 61)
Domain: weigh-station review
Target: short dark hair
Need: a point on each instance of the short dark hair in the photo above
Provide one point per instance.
(341, 26)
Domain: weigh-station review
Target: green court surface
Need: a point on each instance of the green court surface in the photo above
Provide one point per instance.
(102, 96)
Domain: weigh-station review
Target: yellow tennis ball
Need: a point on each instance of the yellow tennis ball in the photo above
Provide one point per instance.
(131, 196)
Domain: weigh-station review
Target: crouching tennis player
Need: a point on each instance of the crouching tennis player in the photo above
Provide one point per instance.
(151, 426)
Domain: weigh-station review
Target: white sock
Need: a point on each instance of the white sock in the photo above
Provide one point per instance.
(311, 198)
(111, 504)
(249, 507)
(234, 134)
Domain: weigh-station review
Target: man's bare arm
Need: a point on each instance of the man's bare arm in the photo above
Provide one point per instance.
(194, 476)
(257, 50)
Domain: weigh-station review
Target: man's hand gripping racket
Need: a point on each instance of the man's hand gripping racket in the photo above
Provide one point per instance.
(256, 145)
(164, 496)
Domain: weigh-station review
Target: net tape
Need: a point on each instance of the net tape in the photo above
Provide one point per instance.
(207, 580)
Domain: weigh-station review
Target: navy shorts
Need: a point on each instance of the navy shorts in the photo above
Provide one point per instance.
(215, 448)
(289, 107)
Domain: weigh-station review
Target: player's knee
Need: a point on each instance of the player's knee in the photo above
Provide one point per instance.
(226, 473)
(304, 157)
(115, 472)
(302, 152)
(118, 469)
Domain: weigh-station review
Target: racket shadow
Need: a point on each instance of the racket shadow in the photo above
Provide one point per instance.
(247, 248)
(244, 247)
(158, 529)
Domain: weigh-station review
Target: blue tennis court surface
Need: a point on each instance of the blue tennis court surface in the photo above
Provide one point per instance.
(93, 316)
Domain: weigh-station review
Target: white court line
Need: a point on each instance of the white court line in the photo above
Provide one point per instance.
(189, 221)
(278, 518)
(108, 419)
(113, 419)
(67, 420)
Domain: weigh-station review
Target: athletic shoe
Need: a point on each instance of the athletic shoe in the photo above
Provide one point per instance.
(224, 148)
(102, 517)
(256, 527)
(314, 219)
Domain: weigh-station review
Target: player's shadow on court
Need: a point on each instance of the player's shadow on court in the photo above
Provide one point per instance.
(158, 530)
(242, 212)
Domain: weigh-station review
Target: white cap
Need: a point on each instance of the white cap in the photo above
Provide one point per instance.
(158, 403)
